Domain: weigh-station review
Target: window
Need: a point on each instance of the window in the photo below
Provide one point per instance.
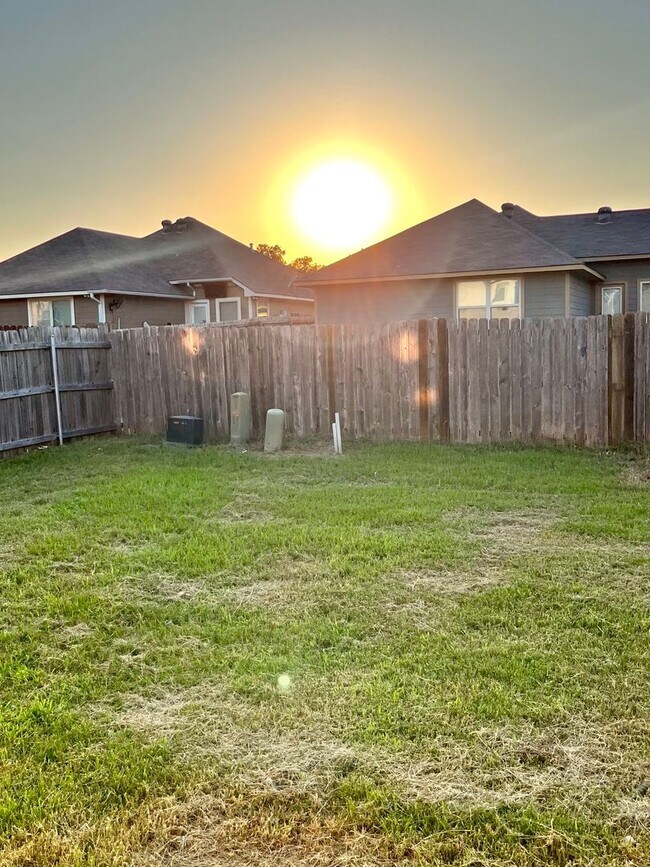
(261, 309)
(488, 299)
(644, 297)
(199, 313)
(612, 300)
(228, 309)
(51, 311)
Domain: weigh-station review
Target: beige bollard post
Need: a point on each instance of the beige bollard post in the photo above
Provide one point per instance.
(240, 418)
(274, 430)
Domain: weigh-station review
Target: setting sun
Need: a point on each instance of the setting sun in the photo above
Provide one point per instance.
(342, 203)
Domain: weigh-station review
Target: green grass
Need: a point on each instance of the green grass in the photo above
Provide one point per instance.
(465, 632)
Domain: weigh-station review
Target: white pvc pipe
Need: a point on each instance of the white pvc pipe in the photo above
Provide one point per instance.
(339, 441)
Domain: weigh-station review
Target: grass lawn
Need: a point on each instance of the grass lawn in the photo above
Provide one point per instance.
(407, 655)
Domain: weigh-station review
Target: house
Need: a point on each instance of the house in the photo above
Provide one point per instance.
(474, 262)
(186, 272)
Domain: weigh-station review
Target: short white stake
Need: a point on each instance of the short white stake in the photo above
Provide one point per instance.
(339, 441)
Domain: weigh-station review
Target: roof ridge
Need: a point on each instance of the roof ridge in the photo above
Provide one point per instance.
(244, 246)
(586, 213)
(407, 230)
(528, 231)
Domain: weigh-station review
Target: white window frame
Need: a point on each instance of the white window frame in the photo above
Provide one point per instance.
(488, 305)
(644, 285)
(203, 302)
(620, 287)
(220, 301)
(49, 301)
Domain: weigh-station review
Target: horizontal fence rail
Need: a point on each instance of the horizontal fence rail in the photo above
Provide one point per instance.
(55, 384)
(581, 380)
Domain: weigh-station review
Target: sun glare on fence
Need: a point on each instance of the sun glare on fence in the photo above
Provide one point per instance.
(192, 341)
(404, 347)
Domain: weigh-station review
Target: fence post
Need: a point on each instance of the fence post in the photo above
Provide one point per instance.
(615, 379)
(329, 362)
(442, 346)
(57, 395)
(423, 378)
(628, 361)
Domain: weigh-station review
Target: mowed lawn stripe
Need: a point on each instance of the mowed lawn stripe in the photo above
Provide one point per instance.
(425, 654)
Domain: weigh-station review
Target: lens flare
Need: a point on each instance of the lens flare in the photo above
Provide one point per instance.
(284, 683)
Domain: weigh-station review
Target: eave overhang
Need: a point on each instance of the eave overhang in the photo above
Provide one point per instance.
(579, 266)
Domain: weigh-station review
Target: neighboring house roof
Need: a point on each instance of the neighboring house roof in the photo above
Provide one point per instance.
(161, 264)
(84, 260)
(471, 238)
(620, 233)
(199, 253)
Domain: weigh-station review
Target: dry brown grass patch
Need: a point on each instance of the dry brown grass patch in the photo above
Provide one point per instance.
(637, 472)
(293, 746)
(204, 830)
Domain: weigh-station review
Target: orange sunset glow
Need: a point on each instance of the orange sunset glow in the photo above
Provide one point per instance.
(337, 198)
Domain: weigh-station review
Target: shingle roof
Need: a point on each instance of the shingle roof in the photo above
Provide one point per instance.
(470, 238)
(628, 233)
(201, 252)
(86, 260)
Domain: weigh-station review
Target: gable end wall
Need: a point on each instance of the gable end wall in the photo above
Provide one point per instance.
(376, 303)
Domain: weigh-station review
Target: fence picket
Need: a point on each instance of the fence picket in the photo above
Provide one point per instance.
(585, 381)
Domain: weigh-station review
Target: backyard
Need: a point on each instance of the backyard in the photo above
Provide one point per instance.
(410, 654)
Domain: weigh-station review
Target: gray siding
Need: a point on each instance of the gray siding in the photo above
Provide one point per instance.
(544, 295)
(134, 311)
(630, 273)
(13, 313)
(582, 296)
(86, 311)
(384, 302)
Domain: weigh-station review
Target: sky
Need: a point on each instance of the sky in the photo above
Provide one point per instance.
(117, 115)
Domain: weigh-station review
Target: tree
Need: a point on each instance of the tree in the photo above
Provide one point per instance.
(305, 264)
(273, 252)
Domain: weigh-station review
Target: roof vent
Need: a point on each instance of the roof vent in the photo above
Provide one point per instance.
(507, 209)
(181, 225)
(605, 214)
(166, 225)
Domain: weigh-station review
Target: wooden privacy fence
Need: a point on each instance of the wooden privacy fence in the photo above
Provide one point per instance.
(584, 381)
(54, 384)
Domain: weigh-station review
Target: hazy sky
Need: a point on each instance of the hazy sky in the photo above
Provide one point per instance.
(116, 114)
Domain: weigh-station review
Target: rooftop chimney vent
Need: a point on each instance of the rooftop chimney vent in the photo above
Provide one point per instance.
(507, 209)
(605, 214)
(166, 225)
